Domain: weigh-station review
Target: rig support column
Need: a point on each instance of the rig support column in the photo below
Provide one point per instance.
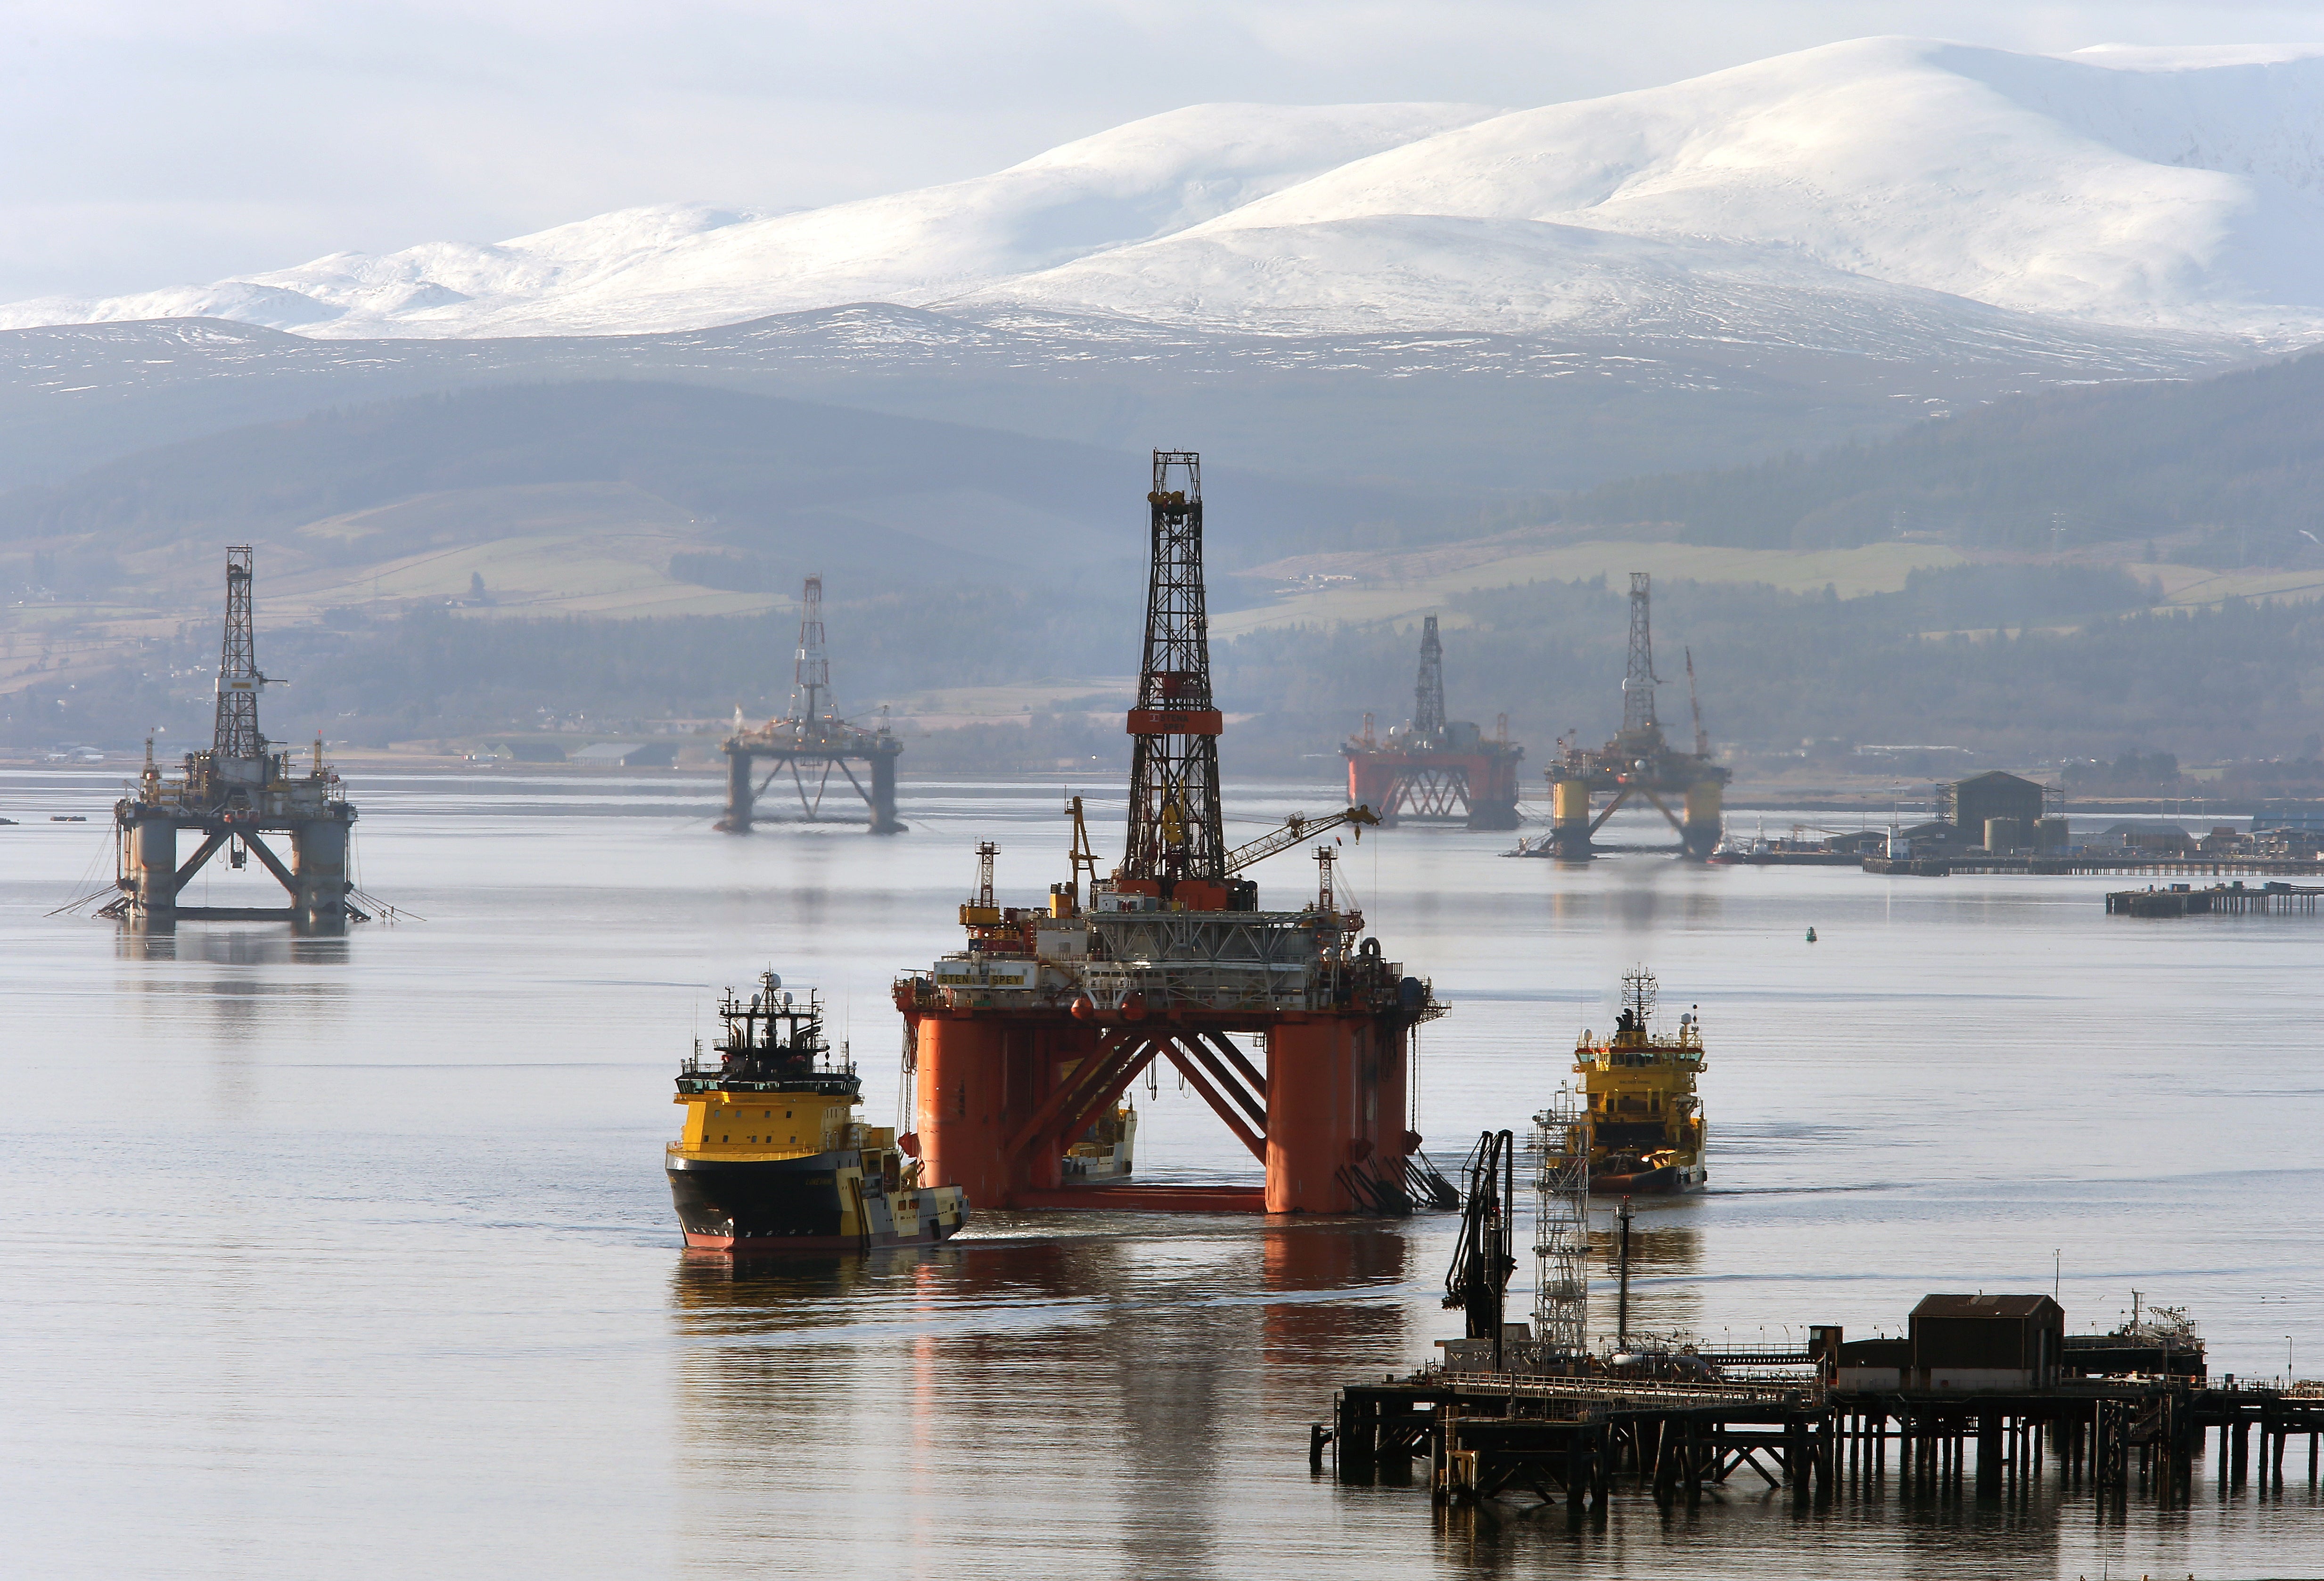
(153, 862)
(1311, 1123)
(883, 795)
(319, 857)
(962, 1126)
(738, 792)
(1703, 803)
(1569, 819)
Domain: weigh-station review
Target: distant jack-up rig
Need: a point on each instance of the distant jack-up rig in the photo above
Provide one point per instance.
(1436, 769)
(812, 734)
(1638, 763)
(232, 795)
(1018, 1041)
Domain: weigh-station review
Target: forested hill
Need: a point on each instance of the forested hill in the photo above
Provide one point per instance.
(807, 484)
(2232, 465)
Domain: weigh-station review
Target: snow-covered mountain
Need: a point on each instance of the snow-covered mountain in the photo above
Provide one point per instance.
(1873, 182)
(647, 270)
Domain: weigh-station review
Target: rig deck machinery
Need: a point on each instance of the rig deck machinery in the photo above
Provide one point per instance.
(1023, 1038)
(1436, 768)
(231, 794)
(1638, 762)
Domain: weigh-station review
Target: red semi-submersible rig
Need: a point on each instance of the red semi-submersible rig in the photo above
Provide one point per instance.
(1024, 1038)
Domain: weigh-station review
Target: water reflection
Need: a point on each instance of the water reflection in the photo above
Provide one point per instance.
(1639, 902)
(1109, 1358)
(274, 945)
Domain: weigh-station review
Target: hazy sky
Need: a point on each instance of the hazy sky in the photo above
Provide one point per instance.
(148, 144)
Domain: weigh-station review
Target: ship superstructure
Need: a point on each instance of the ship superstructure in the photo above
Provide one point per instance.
(772, 1156)
(1645, 1122)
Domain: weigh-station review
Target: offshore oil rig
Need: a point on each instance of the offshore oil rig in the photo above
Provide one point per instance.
(231, 794)
(1638, 763)
(1020, 1040)
(1436, 769)
(815, 735)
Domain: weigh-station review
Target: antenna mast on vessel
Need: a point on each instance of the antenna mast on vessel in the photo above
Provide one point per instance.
(1176, 831)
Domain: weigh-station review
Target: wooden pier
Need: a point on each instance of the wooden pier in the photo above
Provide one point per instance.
(2231, 899)
(1581, 1441)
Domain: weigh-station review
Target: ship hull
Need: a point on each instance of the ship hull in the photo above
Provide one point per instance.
(794, 1205)
(1670, 1180)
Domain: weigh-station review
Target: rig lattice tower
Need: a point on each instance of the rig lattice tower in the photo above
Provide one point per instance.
(1020, 1040)
(811, 740)
(1436, 769)
(232, 794)
(1638, 763)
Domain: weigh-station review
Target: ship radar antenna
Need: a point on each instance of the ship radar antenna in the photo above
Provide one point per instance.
(1638, 991)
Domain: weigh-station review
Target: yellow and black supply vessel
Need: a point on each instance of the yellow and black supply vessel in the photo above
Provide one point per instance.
(773, 1158)
(1645, 1122)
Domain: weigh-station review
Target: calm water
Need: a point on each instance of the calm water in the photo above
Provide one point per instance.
(354, 1257)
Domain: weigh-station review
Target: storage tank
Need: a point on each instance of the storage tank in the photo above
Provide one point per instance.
(2050, 834)
(2004, 835)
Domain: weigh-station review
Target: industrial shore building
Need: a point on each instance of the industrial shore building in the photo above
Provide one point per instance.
(1985, 1342)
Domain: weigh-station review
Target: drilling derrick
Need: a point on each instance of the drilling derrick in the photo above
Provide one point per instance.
(1429, 693)
(1175, 828)
(1436, 769)
(232, 795)
(810, 742)
(1638, 763)
(1024, 1039)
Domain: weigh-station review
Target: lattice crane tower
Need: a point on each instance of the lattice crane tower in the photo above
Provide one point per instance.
(1175, 827)
(811, 674)
(238, 681)
(1428, 695)
(1638, 678)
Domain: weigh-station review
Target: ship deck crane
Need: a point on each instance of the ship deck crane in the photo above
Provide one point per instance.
(1294, 829)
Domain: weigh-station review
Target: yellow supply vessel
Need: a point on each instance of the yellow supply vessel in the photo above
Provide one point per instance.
(1645, 1120)
(773, 1158)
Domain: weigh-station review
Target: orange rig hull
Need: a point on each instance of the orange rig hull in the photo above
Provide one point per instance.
(1002, 1092)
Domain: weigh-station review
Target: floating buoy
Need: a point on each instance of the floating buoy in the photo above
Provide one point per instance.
(1810, 936)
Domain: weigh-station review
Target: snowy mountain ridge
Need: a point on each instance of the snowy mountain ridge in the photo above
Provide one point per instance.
(2178, 192)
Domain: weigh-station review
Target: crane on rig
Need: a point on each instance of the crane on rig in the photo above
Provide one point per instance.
(1296, 829)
